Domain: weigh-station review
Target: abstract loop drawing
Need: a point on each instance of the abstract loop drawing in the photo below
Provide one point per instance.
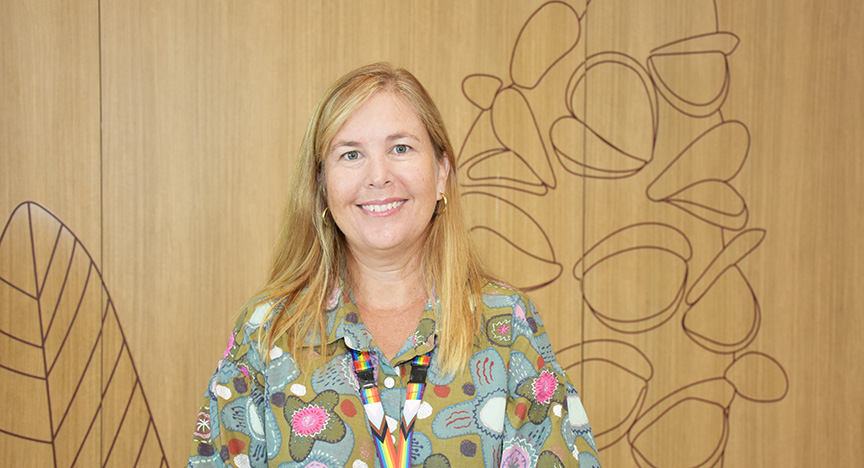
(629, 139)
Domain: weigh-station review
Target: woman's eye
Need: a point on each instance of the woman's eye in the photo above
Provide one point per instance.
(351, 156)
(401, 149)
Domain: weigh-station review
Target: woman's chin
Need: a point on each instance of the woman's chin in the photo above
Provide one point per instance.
(384, 243)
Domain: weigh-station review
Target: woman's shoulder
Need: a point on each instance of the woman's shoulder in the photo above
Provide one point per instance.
(255, 319)
(511, 322)
(250, 328)
(500, 300)
(496, 294)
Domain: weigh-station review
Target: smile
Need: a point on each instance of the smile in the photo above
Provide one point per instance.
(382, 208)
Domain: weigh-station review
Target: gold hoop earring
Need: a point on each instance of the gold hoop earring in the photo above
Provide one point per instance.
(324, 215)
(443, 198)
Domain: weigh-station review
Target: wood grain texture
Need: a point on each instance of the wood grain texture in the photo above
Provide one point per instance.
(49, 150)
(195, 117)
(802, 99)
(49, 117)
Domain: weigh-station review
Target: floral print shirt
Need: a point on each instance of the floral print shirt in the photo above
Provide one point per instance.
(512, 406)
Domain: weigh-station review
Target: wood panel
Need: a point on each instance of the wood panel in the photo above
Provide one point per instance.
(795, 84)
(195, 118)
(49, 118)
(664, 233)
(49, 301)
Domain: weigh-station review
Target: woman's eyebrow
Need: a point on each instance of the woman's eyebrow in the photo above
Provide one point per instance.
(345, 143)
(388, 139)
(400, 136)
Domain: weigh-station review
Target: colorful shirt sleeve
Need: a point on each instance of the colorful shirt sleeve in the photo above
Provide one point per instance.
(546, 425)
(229, 430)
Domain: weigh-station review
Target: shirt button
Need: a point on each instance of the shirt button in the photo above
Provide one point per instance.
(389, 382)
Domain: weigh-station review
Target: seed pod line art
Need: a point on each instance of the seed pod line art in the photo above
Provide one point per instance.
(629, 139)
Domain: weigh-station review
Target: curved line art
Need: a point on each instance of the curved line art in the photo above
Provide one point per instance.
(699, 157)
(615, 356)
(647, 263)
(563, 11)
(720, 43)
(541, 240)
(476, 94)
(469, 161)
(736, 250)
(689, 107)
(482, 157)
(66, 321)
(545, 244)
(578, 77)
(780, 380)
(635, 240)
(706, 334)
(519, 106)
(714, 394)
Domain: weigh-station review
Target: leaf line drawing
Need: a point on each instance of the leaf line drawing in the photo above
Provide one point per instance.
(60, 336)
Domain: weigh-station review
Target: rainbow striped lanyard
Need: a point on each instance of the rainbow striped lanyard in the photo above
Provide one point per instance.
(391, 455)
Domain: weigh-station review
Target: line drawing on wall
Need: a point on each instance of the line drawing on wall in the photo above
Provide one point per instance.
(72, 394)
(637, 127)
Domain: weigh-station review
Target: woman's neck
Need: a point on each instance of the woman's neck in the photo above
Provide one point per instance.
(390, 297)
(386, 282)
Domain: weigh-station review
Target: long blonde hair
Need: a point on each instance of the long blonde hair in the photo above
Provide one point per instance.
(311, 252)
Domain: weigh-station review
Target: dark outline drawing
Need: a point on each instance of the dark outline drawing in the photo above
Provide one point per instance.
(616, 59)
(24, 213)
(651, 319)
(527, 218)
(696, 181)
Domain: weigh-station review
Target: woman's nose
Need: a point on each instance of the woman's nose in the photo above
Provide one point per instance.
(379, 171)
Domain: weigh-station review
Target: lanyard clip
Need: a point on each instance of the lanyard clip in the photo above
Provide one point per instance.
(418, 373)
(366, 378)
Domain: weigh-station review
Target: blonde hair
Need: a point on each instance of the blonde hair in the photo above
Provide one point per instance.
(310, 253)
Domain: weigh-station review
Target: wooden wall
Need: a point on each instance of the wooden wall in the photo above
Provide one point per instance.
(676, 182)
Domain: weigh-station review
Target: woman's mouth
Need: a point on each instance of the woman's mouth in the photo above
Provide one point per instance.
(380, 208)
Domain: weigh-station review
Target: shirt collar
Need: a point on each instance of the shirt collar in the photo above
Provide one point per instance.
(344, 324)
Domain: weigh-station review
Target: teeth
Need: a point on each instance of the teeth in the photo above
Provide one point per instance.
(381, 208)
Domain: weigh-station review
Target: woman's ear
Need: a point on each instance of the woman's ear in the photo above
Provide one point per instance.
(443, 172)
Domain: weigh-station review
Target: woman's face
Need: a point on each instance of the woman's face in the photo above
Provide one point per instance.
(382, 178)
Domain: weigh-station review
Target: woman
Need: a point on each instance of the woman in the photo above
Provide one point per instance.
(379, 334)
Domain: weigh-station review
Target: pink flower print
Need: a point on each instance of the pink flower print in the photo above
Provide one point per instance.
(313, 421)
(309, 421)
(230, 345)
(499, 330)
(515, 456)
(519, 311)
(541, 390)
(227, 350)
(544, 387)
(202, 425)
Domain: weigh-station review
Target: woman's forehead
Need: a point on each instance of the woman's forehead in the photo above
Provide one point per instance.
(386, 115)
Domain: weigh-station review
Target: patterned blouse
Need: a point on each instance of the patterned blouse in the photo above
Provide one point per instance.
(511, 406)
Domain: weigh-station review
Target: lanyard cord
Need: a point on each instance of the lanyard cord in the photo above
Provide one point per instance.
(390, 455)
